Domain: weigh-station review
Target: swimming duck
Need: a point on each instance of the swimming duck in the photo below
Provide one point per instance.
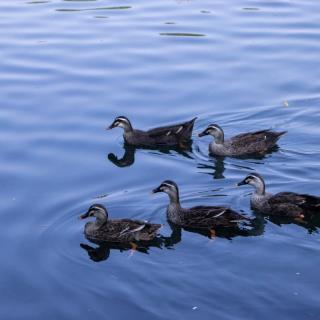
(171, 135)
(258, 142)
(200, 217)
(122, 230)
(287, 204)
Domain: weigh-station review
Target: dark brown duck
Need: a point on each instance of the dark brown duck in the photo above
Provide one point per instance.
(199, 217)
(171, 135)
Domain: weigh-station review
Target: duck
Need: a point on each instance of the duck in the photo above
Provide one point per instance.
(285, 204)
(171, 135)
(199, 217)
(119, 231)
(257, 142)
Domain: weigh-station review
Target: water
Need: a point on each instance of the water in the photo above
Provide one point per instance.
(67, 69)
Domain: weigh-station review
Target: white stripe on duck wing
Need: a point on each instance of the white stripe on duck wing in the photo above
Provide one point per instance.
(181, 130)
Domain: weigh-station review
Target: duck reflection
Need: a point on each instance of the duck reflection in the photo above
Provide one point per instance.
(312, 225)
(216, 165)
(128, 157)
(253, 228)
(100, 250)
(259, 222)
(217, 169)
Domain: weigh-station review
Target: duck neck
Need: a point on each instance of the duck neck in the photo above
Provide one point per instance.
(174, 199)
(101, 219)
(219, 137)
(260, 188)
(174, 209)
(127, 127)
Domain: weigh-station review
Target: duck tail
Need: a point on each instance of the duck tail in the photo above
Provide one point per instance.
(281, 133)
(153, 228)
(188, 128)
(191, 122)
(277, 135)
(150, 232)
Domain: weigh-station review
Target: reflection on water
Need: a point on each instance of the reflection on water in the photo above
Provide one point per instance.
(312, 225)
(216, 170)
(128, 157)
(102, 250)
(215, 165)
(252, 229)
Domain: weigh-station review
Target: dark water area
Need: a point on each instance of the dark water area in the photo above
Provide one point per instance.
(67, 69)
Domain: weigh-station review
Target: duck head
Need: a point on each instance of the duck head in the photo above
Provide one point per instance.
(170, 188)
(98, 211)
(122, 122)
(255, 180)
(215, 131)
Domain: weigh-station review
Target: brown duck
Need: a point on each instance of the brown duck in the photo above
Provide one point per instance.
(121, 231)
(286, 204)
(257, 142)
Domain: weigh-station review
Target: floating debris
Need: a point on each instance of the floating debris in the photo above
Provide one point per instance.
(286, 103)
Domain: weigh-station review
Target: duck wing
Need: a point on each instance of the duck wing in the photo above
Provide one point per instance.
(129, 226)
(256, 141)
(117, 230)
(183, 130)
(294, 204)
(205, 217)
(125, 230)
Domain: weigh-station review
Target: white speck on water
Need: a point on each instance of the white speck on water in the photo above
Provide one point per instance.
(298, 273)
(194, 308)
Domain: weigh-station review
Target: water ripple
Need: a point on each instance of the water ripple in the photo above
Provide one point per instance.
(68, 68)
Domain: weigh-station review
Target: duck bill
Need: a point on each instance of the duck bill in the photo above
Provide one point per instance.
(203, 133)
(156, 190)
(84, 215)
(111, 126)
(241, 183)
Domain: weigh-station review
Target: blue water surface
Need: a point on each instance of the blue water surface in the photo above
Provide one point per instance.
(67, 69)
